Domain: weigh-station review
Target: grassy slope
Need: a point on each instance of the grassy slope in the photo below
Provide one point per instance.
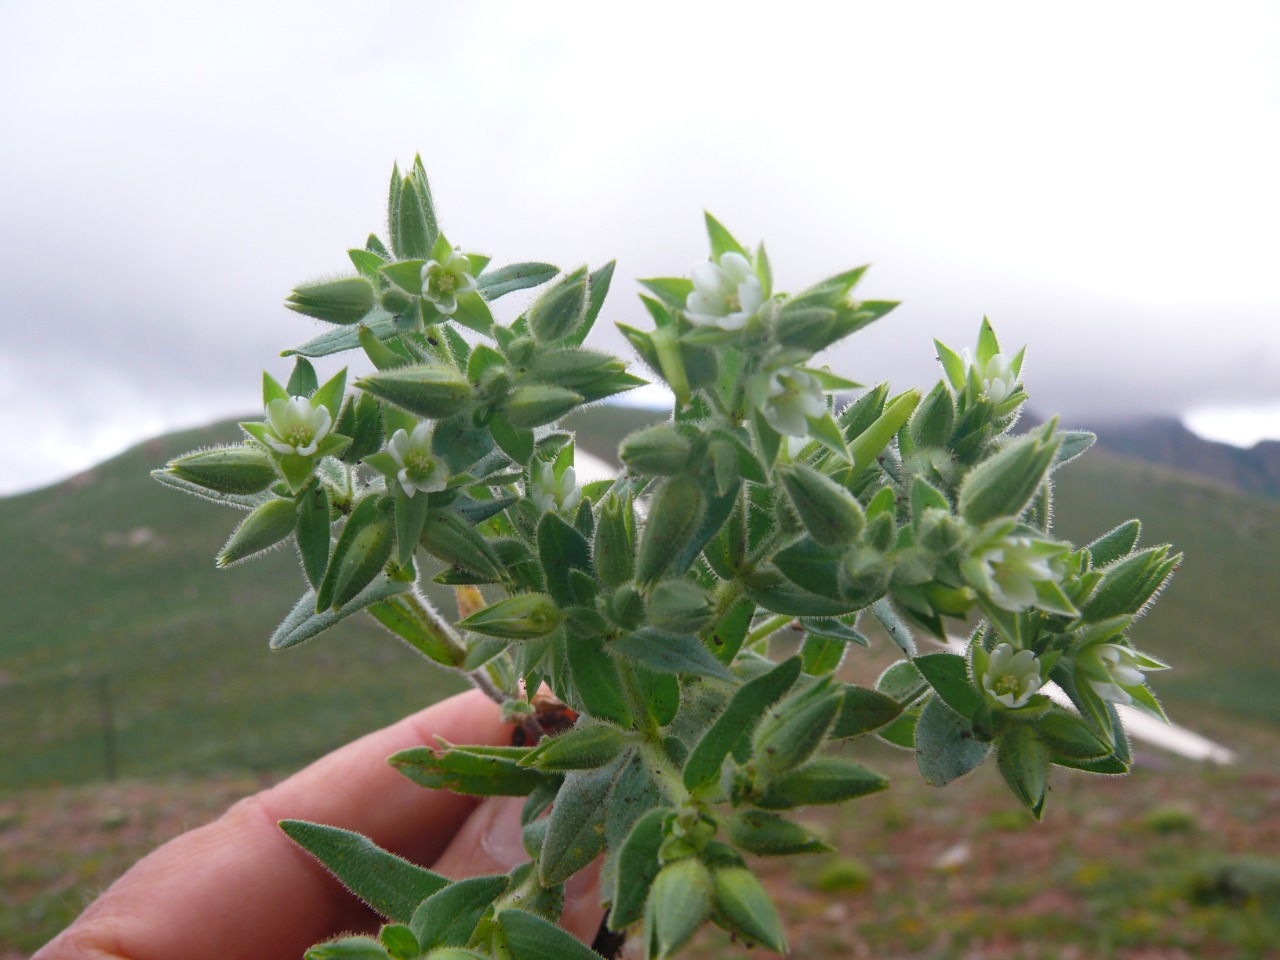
(194, 689)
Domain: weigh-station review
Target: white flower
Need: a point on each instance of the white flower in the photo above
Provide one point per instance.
(1110, 668)
(443, 283)
(725, 294)
(996, 376)
(294, 426)
(420, 470)
(1008, 569)
(791, 397)
(551, 495)
(1011, 678)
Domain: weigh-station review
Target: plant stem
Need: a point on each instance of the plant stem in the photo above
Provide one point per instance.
(767, 629)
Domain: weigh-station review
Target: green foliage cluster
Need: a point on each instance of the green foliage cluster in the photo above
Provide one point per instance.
(646, 602)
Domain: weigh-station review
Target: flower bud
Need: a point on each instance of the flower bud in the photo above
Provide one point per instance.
(582, 748)
(830, 514)
(362, 551)
(525, 616)
(930, 425)
(261, 530)
(824, 780)
(1004, 484)
(239, 470)
(625, 607)
(769, 835)
(675, 514)
(561, 309)
(335, 301)
(535, 404)
(794, 729)
(521, 351)
(680, 606)
(430, 390)
(660, 450)
(614, 549)
(573, 368)
(745, 907)
(679, 902)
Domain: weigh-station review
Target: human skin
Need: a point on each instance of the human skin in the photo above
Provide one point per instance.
(239, 888)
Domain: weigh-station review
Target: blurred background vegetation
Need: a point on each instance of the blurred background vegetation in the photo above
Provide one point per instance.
(138, 698)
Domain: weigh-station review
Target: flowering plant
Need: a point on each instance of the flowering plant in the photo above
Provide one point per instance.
(652, 604)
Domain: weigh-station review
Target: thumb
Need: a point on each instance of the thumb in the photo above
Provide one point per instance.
(490, 842)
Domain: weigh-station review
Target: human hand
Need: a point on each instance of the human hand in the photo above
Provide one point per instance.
(239, 887)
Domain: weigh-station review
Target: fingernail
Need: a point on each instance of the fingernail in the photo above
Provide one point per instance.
(500, 839)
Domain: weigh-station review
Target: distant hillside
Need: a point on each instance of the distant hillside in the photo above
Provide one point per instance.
(1165, 440)
(115, 620)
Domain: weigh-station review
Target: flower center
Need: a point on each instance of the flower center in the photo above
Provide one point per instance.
(1005, 684)
(445, 282)
(298, 435)
(419, 464)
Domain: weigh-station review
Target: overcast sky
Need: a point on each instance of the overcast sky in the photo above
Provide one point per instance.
(1100, 179)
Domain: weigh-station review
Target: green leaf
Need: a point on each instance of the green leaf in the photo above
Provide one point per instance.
(451, 537)
(474, 771)
(637, 866)
(575, 834)
(561, 549)
(403, 616)
(597, 289)
(314, 531)
(362, 551)
(742, 901)
(595, 677)
(530, 937)
(726, 636)
(1115, 544)
(1024, 763)
(411, 516)
(668, 653)
(303, 622)
(391, 885)
(584, 747)
(348, 948)
(737, 722)
(945, 746)
(948, 674)
(379, 322)
(863, 711)
(449, 917)
(515, 276)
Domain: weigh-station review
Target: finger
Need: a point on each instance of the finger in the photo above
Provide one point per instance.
(239, 888)
(490, 842)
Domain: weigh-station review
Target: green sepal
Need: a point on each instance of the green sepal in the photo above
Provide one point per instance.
(582, 748)
(562, 549)
(411, 516)
(830, 514)
(722, 240)
(824, 780)
(614, 547)
(448, 918)
(598, 282)
(431, 390)
(672, 291)
(530, 937)
(348, 948)
(988, 346)
(791, 731)
(1114, 544)
(515, 442)
(382, 356)
(660, 693)
(237, 470)
(737, 722)
(451, 537)
(931, 423)
(680, 900)
(474, 771)
(360, 554)
(866, 446)
(302, 379)
(675, 515)
(473, 313)
(1023, 760)
(662, 450)
(561, 308)
(403, 618)
(304, 621)
(314, 529)
(343, 301)
(636, 868)
(391, 885)
(398, 940)
(945, 746)
(769, 835)
(1067, 736)
(537, 404)
(744, 906)
(952, 365)
(405, 274)
(265, 527)
(525, 616)
(725, 637)
(826, 431)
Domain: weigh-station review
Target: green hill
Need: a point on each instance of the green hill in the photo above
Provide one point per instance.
(119, 638)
